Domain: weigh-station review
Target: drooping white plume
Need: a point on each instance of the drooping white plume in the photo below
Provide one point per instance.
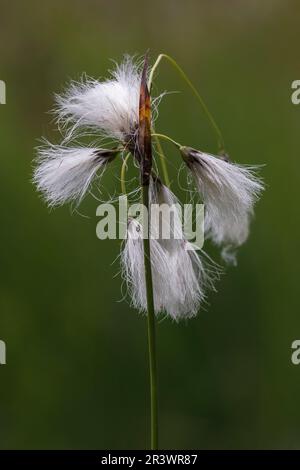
(229, 193)
(188, 275)
(166, 215)
(64, 174)
(178, 272)
(132, 263)
(111, 106)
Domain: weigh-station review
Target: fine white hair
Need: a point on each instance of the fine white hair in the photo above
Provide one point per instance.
(132, 263)
(188, 275)
(64, 174)
(170, 222)
(111, 106)
(229, 193)
(178, 271)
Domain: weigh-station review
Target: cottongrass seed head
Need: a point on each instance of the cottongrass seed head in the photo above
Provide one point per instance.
(110, 107)
(229, 192)
(180, 275)
(64, 173)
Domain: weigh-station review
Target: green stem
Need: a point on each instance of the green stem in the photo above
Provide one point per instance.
(123, 171)
(183, 75)
(162, 160)
(151, 327)
(161, 154)
(166, 137)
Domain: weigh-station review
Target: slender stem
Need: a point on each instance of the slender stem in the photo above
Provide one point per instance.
(163, 162)
(151, 327)
(161, 154)
(213, 123)
(166, 137)
(123, 171)
(162, 158)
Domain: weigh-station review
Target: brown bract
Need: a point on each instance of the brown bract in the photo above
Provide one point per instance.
(144, 130)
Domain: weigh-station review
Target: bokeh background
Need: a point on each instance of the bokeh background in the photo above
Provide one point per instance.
(77, 371)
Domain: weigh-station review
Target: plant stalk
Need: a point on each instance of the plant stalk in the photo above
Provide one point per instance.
(123, 171)
(167, 138)
(145, 158)
(151, 327)
(162, 158)
(221, 144)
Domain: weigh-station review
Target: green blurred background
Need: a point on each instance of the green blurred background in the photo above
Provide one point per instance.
(77, 371)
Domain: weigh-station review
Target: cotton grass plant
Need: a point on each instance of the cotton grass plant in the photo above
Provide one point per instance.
(164, 276)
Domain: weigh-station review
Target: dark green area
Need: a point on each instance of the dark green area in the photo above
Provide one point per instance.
(77, 370)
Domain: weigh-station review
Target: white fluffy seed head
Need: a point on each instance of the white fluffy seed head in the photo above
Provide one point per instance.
(111, 106)
(188, 275)
(168, 220)
(229, 193)
(132, 262)
(179, 275)
(64, 174)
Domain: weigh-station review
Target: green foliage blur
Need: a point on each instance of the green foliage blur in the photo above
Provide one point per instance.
(77, 371)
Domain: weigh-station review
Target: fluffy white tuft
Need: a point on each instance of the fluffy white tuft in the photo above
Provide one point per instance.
(64, 174)
(178, 272)
(111, 106)
(229, 192)
(167, 226)
(188, 276)
(132, 262)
